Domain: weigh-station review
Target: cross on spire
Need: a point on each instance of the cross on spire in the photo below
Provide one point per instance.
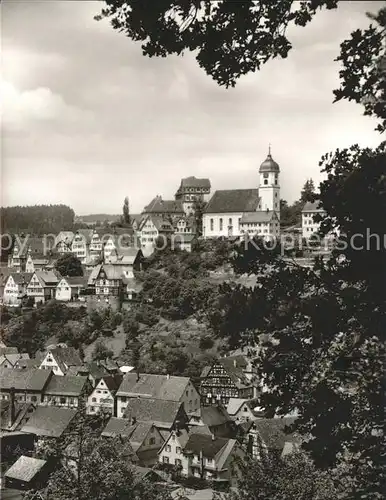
(269, 149)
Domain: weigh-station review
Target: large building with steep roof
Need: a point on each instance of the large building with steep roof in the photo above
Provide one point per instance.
(191, 190)
(253, 212)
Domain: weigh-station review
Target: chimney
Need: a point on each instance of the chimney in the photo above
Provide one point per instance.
(213, 438)
(12, 409)
(235, 363)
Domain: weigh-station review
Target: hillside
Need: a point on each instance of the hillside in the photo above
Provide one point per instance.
(94, 218)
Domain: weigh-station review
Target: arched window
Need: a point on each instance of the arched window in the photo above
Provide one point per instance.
(220, 224)
(211, 225)
(265, 182)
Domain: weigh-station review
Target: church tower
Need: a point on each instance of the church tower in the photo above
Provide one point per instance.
(269, 188)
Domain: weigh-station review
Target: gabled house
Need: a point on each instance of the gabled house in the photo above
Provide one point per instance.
(103, 395)
(11, 360)
(172, 450)
(28, 473)
(69, 288)
(128, 259)
(106, 280)
(49, 421)
(184, 225)
(67, 391)
(59, 358)
(203, 456)
(162, 387)
(165, 415)
(15, 288)
(269, 434)
(27, 386)
(164, 208)
(38, 262)
(63, 242)
(230, 377)
(153, 227)
(96, 370)
(144, 437)
(244, 410)
(217, 420)
(80, 245)
(22, 248)
(42, 286)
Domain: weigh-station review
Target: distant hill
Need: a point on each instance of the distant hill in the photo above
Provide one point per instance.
(93, 218)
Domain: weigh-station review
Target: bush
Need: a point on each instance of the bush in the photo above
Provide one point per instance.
(206, 343)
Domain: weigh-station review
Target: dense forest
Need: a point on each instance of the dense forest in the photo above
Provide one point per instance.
(37, 220)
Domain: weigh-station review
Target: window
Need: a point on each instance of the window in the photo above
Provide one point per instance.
(220, 221)
(209, 461)
(152, 440)
(211, 225)
(177, 461)
(230, 221)
(165, 460)
(168, 448)
(123, 399)
(265, 182)
(62, 401)
(93, 400)
(173, 437)
(33, 398)
(178, 450)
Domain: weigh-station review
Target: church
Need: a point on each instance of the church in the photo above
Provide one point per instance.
(255, 212)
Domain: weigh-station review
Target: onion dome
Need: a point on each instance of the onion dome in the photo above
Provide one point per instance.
(269, 164)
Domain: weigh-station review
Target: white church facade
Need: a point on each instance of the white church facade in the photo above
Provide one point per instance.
(236, 212)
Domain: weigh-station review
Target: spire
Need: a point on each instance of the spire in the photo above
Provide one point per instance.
(269, 149)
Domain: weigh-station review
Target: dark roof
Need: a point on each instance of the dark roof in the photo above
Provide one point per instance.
(49, 421)
(158, 205)
(20, 411)
(208, 444)
(31, 379)
(8, 350)
(214, 415)
(160, 412)
(86, 234)
(153, 386)
(67, 355)
(124, 427)
(233, 200)
(25, 468)
(48, 277)
(194, 182)
(269, 165)
(112, 381)
(261, 216)
(20, 278)
(68, 385)
(313, 206)
(271, 431)
(76, 280)
(118, 427)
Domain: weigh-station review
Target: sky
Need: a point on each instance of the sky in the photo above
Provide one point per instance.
(87, 119)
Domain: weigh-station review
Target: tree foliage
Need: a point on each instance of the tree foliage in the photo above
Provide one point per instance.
(69, 265)
(308, 191)
(230, 38)
(293, 477)
(363, 74)
(37, 220)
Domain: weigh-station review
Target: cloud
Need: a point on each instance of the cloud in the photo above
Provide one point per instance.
(23, 109)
